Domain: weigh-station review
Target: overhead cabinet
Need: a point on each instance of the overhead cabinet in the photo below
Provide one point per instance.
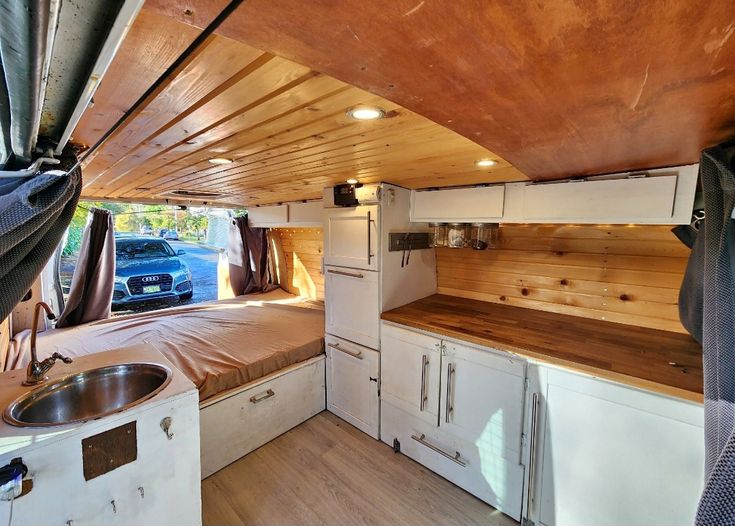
(480, 204)
(309, 214)
(663, 196)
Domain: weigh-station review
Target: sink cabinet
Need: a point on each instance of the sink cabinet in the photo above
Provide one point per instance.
(123, 469)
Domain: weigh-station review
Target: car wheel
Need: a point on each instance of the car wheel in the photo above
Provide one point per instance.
(186, 296)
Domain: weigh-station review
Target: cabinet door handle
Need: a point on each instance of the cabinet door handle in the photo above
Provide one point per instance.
(449, 406)
(264, 396)
(342, 273)
(532, 454)
(354, 354)
(457, 457)
(424, 395)
(369, 237)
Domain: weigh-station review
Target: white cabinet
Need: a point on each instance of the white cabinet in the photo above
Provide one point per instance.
(352, 310)
(352, 237)
(482, 397)
(461, 204)
(352, 384)
(475, 440)
(411, 365)
(268, 216)
(608, 454)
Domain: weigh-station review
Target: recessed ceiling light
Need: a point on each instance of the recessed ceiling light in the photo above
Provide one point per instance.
(366, 113)
(352, 181)
(484, 163)
(220, 160)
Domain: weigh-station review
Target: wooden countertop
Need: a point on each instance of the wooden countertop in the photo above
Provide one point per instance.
(667, 362)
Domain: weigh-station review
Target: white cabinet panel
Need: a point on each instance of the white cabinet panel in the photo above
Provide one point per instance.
(482, 398)
(629, 200)
(352, 384)
(268, 216)
(352, 237)
(310, 214)
(411, 365)
(616, 455)
(461, 204)
(352, 309)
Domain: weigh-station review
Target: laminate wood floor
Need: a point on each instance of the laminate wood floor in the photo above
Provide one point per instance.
(326, 472)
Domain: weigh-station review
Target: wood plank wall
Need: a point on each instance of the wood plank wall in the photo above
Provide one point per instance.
(623, 274)
(4, 342)
(303, 249)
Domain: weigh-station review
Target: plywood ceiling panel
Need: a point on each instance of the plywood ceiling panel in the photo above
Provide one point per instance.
(284, 126)
(558, 88)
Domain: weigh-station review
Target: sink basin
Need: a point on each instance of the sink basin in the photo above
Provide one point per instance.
(88, 395)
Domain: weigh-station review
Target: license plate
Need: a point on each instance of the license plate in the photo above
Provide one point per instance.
(148, 289)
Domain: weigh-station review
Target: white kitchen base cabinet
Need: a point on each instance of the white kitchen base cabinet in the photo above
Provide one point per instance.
(352, 310)
(353, 374)
(458, 410)
(608, 454)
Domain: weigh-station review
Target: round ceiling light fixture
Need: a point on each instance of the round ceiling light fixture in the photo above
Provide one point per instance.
(352, 180)
(485, 163)
(366, 113)
(220, 160)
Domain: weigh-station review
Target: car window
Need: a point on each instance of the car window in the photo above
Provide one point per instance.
(142, 249)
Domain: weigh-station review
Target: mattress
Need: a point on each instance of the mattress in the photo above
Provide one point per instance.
(219, 345)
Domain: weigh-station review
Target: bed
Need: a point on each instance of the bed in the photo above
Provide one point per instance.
(257, 360)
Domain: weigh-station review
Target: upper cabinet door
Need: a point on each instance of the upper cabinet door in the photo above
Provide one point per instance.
(461, 204)
(351, 237)
(410, 369)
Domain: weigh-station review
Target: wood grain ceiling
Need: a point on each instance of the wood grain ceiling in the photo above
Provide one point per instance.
(284, 126)
(558, 88)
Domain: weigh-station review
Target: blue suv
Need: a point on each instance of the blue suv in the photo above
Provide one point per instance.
(147, 268)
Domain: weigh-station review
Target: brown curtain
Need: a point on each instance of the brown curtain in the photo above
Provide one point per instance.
(92, 285)
(250, 268)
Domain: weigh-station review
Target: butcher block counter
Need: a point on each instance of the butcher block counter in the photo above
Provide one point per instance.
(667, 362)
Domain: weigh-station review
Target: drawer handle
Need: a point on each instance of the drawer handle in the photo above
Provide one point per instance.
(532, 454)
(424, 396)
(354, 354)
(370, 255)
(449, 407)
(265, 396)
(349, 274)
(454, 458)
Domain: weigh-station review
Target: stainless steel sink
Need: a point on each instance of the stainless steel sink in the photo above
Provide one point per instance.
(88, 395)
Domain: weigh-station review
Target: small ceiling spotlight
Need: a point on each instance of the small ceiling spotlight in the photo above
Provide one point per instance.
(366, 113)
(485, 163)
(220, 160)
(352, 181)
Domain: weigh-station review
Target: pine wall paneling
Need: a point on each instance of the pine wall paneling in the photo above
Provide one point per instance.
(303, 249)
(623, 274)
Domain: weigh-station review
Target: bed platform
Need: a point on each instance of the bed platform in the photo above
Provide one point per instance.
(258, 362)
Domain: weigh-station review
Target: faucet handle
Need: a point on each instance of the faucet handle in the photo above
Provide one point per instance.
(59, 356)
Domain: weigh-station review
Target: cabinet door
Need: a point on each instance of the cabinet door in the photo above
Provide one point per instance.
(352, 306)
(482, 397)
(351, 237)
(410, 370)
(615, 455)
(352, 384)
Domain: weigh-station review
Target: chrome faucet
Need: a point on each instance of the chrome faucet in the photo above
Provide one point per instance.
(36, 371)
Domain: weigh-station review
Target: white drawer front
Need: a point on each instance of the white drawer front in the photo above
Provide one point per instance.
(352, 384)
(353, 305)
(495, 480)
